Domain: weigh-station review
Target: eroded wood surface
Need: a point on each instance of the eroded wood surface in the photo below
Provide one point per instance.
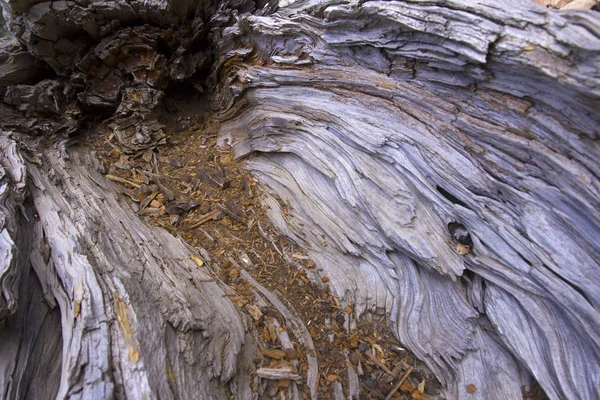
(377, 125)
(387, 122)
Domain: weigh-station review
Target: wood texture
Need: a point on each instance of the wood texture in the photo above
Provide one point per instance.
(386, 122)
(138, 317)
(379, 124)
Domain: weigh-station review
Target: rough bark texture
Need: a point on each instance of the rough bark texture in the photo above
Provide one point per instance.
(438, 159)
(137, 316)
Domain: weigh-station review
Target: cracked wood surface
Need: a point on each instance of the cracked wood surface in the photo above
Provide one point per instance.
(377, 124)
(386, 122)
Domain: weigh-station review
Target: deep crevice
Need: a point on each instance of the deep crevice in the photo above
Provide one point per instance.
(571, 285)
(451, 198)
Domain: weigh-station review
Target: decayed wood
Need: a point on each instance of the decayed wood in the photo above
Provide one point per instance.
(13, 178)
(300, 331)
(16, 64)
(277, 374)
(133, 305)
(389, 121)
(380, 124)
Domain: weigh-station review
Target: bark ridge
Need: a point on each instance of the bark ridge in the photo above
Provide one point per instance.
(439, 159)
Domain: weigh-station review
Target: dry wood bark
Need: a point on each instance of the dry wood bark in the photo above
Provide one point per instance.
(386, 126)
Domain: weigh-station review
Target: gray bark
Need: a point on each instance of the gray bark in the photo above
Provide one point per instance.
(386, 127)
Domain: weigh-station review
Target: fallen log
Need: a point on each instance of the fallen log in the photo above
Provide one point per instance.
(438, 160)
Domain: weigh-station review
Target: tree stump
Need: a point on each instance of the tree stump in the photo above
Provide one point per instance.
(439, 159)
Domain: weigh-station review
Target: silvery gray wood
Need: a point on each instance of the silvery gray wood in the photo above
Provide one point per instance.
(375, 124)
(138, 317)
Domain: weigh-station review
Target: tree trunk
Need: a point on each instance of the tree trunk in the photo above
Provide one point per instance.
(438, 160)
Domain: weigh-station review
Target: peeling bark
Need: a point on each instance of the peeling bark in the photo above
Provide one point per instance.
(383, 125)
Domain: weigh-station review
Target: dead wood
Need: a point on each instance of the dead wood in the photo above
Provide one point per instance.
(438, 160)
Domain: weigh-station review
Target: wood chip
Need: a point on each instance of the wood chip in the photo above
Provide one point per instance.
(121, 180)
(213, 215)
(274, 353)
(197, 260)
(291, 354)
(254, 312)
(421, 387)
(148, 200)
(283, 383)
(233, 211)
(400, 382)
(277, 374)
(131, 194)
(213, 177)
(381, 365)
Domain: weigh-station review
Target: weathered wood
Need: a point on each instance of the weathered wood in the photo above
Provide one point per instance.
(388, 121)
(381, 124)
(138, 317)
(300, 331)
(277, 374)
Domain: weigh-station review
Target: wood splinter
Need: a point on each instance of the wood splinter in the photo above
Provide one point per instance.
(400, 382)
(277, 374)
(377, 362)
(214, 215)
(121, 180)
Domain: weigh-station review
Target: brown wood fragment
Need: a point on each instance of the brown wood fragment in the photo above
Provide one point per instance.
(148, 200)
(274, 353)
(233, 211)
(197, 260)
(400, 382)
(213, 177)
(131, 194)
(377, 362)
(121, 180)
(213, 215)
(291, 354)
